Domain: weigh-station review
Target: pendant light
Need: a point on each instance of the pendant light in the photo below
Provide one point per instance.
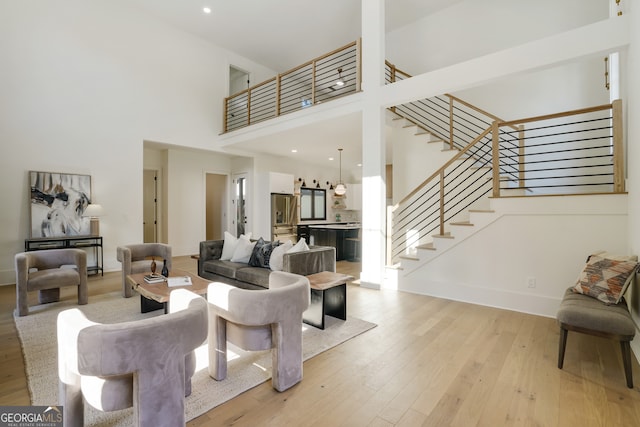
(340, 81)
(340, 187)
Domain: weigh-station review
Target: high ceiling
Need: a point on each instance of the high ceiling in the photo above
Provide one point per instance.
(281, 34)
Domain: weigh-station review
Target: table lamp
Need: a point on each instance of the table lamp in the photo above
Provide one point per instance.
(93, 211)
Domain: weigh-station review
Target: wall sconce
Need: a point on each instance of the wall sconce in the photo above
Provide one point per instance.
(93, 211)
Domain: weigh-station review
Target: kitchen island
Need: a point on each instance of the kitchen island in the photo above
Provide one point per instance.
(331, 234)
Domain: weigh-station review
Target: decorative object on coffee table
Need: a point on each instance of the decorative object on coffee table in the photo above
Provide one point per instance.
(155, 296)
(165, 269)
(153, 265)
(135, 259)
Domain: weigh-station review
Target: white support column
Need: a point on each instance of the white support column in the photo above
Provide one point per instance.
(373, 145)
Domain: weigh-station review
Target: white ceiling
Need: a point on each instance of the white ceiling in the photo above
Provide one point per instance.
(281, 34)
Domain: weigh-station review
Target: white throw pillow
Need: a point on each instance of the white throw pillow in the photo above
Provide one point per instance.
(243, 251)
(299, 247)
(230, 243)
(276, 262)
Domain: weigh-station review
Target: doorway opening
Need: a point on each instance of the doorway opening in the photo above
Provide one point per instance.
(239, 80)
(240, 202)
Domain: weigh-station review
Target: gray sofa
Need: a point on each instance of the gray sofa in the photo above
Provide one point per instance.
(315, 260)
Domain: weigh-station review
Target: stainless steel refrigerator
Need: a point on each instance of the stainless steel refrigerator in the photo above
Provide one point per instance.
(283, 217)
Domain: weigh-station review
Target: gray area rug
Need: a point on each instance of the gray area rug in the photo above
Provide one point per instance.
(246, 370)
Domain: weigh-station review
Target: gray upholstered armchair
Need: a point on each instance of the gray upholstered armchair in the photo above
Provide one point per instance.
(116, 366)
(260, 320)
(47, 271)
(137, 259)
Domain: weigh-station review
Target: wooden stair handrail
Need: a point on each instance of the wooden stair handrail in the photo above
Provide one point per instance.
(556, 115)
(479, 110)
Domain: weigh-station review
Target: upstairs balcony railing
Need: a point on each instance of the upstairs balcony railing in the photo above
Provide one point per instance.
(322, 79)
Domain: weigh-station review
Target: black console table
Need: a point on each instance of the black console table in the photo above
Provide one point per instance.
(79, 242)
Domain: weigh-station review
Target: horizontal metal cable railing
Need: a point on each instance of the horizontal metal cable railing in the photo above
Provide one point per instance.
(322, 79)
(449, 118)
(459, 185)
(577, 151)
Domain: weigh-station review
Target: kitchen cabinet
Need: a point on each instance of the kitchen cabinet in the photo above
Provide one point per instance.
(354, 197)
(281, 183)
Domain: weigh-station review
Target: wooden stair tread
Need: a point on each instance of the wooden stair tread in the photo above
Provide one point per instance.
(481, 210)
(409, 257)
(427, 246)
(464, 223)
(446, 235)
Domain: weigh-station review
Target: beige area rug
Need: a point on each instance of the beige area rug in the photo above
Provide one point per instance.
(246, 370)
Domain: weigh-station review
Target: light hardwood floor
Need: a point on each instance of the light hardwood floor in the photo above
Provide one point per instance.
(429, 362)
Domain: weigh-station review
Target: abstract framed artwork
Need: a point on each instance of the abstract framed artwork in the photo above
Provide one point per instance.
(58, 201)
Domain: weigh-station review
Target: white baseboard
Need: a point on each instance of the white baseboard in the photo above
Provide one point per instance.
(498, 298)
(7, 277)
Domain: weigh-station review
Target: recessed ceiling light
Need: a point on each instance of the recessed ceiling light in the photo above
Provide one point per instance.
(330, 158)
(206, 9)
(294, 151)
(359, 165)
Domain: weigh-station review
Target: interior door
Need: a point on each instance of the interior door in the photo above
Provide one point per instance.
(216, 208)
(150, 206)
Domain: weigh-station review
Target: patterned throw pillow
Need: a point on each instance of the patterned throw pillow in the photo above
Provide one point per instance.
(606, 277)
(263, 255)
(253, 261)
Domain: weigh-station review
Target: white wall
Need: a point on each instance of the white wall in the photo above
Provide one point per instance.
(563, 88)
(547, 239)
(83, 85)
(187, 196)
(475, 28)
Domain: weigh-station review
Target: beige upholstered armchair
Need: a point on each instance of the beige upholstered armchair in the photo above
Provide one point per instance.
(47, 271)
(260, 320)
(116, 366)
(137, 259)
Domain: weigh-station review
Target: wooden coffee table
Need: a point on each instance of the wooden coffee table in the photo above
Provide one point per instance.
(328, 297)
(154, 296)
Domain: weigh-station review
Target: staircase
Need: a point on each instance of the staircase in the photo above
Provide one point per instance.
(468, 171)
